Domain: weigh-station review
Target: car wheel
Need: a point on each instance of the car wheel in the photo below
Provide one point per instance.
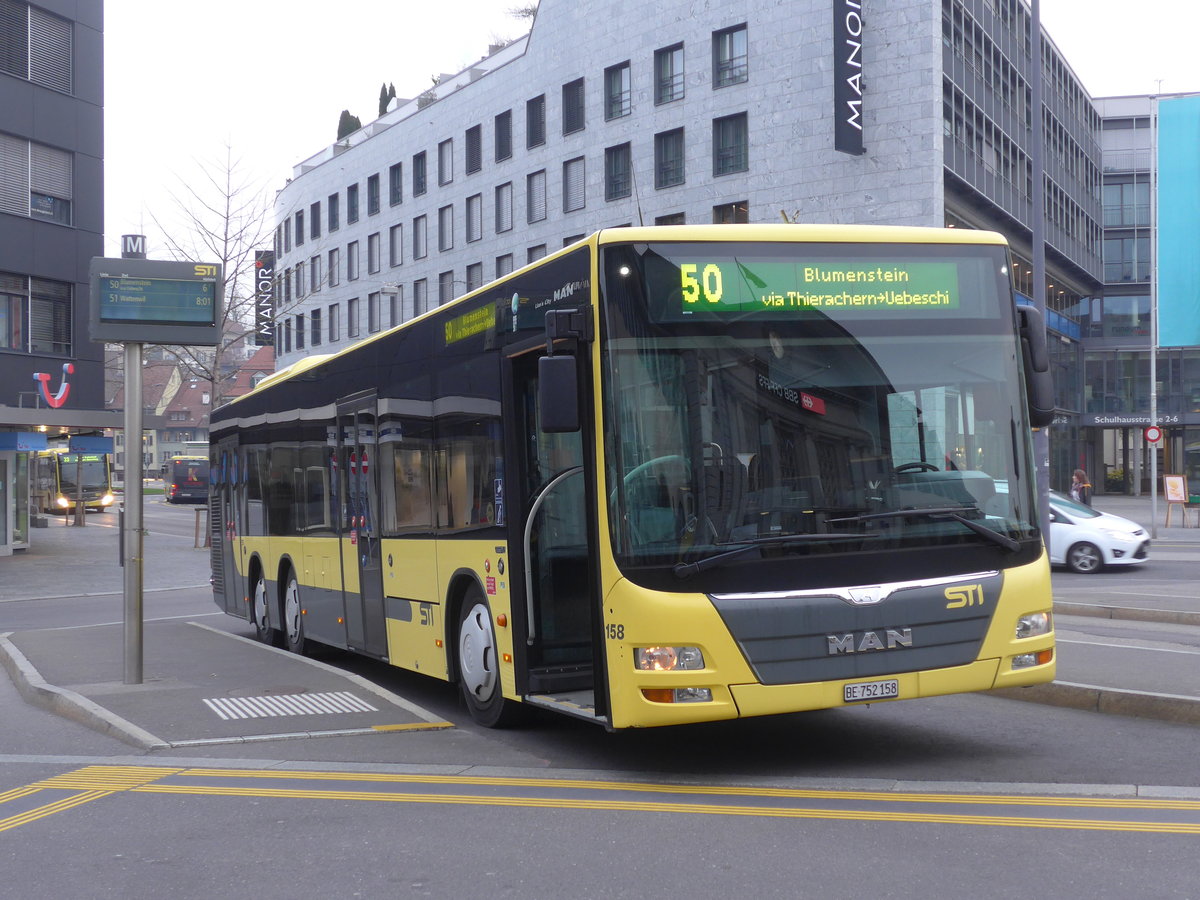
(263, 612)
(479, 665)
(1085, 558)
(293, 618)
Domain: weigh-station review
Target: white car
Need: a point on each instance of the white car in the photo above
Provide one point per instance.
(1086, 540)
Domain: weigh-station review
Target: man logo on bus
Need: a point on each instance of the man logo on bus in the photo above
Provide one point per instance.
(58, 399)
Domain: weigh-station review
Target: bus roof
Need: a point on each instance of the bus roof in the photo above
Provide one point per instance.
(765, 233)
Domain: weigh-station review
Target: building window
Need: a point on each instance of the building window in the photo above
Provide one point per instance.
(287, 336)
(395, 302)
(504, 213)
(504, 135)
(617, 91)
(533, 254)
(445, 287)
(1127, 259)
(373, 194)
(474, 217)
(352, 204)
(35, 180)
(418, 174)
(352, 317)
(671, 219)
(731, 145)
(373, 253)
(535, 121)
(335, 266)
(446, 228)
(396, 184)
(729, 56)
(668, 74)
(314, 220)
(38, 46)
(504, 265)
(373, 312)
(314, 323)
(668, 158)
(474, 149)
(395, 245)
(335, 323)
(300, 334)
(299, 227)
(300, 285)
(420, 296)
(314, 274)
(572, 106)
(287, 285)
(420, 246)
(35, 315)
(617, 170)
(736, 213)
(535, 196)
(331, 212)
(474, 276)
(446, 161)
(574, 177)
(352, 261)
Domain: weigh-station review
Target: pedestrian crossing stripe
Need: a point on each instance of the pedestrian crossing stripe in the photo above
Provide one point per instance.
(288, 705)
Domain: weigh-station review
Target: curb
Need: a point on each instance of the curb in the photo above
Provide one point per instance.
(68, 704)
(1128, 613)
(1110, 701)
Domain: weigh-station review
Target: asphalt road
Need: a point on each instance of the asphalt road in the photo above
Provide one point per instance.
(966, 794)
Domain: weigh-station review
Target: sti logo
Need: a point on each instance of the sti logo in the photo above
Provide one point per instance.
(205, 271)
(57, 399)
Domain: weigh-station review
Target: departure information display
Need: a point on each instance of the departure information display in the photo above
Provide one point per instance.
(158, 300)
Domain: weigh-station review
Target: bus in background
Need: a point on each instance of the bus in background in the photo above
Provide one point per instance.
(57, 473)
(185, 479)
(665, 475)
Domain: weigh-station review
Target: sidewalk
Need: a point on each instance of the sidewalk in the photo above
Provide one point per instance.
(205, 686)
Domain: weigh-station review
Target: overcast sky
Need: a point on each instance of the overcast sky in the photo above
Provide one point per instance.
(185, 80)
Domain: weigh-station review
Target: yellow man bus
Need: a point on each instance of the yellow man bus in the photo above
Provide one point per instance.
(665, 475)
(57, 474)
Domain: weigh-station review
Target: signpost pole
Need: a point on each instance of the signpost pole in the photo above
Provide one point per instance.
(132, 525)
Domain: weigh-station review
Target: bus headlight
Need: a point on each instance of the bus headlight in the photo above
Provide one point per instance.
(63, 502)
(667, 659)
(1033, 624)
(106, 500)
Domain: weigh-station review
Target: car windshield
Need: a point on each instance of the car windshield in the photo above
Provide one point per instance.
(1076, 509)
(813, 436)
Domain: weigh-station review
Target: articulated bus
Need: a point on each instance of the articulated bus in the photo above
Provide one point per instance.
(665, 475)
(56, 478)
(185, 479)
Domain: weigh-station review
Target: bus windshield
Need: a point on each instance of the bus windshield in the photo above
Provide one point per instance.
(813, 399)
(95, 472)
(189, 472)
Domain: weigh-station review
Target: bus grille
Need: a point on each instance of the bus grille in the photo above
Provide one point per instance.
(814, 637)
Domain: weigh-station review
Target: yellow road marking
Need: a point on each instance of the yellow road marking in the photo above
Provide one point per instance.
(51, 808)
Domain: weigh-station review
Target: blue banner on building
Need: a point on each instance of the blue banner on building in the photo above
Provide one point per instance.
(1178, 222)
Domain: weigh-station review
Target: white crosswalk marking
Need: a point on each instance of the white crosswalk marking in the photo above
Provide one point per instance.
(287, 705)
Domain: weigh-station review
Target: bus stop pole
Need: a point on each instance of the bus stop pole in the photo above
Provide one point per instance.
(132, 524)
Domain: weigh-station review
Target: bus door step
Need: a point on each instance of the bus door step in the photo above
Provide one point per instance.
(580, 704)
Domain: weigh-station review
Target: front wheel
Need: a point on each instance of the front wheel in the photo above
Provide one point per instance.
(479, 664)
(1085, 558)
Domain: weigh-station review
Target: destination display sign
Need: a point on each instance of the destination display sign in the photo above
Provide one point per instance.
(158, 300)
(155, 301)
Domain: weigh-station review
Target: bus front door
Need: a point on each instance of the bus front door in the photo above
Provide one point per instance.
(225, 530)
(559, 571)
(362, 572)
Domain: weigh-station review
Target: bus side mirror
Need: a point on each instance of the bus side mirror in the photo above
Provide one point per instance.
(558, 394)
(1039, 384)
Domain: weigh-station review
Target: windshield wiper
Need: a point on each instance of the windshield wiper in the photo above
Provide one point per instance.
(687, 570)
(940, 513)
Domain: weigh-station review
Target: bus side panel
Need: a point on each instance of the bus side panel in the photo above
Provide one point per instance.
(414, 606)
(321, 590)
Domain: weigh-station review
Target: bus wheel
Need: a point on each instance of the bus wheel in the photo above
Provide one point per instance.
(293, 617)
(479, 664)
(261, 611)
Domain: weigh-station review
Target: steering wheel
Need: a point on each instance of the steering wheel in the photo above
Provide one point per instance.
(657, 462)
(653, 463)
(916, 467)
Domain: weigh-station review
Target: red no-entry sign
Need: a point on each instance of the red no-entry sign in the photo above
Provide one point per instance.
(1152, 433)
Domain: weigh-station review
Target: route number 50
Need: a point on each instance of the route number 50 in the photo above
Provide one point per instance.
(708, 284)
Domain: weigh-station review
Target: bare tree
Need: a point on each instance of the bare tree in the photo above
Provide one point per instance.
(224, 218)
(524, 12)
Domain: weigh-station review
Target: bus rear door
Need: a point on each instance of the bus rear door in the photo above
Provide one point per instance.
(362, 570)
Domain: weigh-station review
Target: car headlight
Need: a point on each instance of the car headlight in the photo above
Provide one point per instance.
(667, 659)
(1118, 535)
(1033, 624)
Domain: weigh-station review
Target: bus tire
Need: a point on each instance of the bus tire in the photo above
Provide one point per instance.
(479, 663)
(293, 617)
(261, 610)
